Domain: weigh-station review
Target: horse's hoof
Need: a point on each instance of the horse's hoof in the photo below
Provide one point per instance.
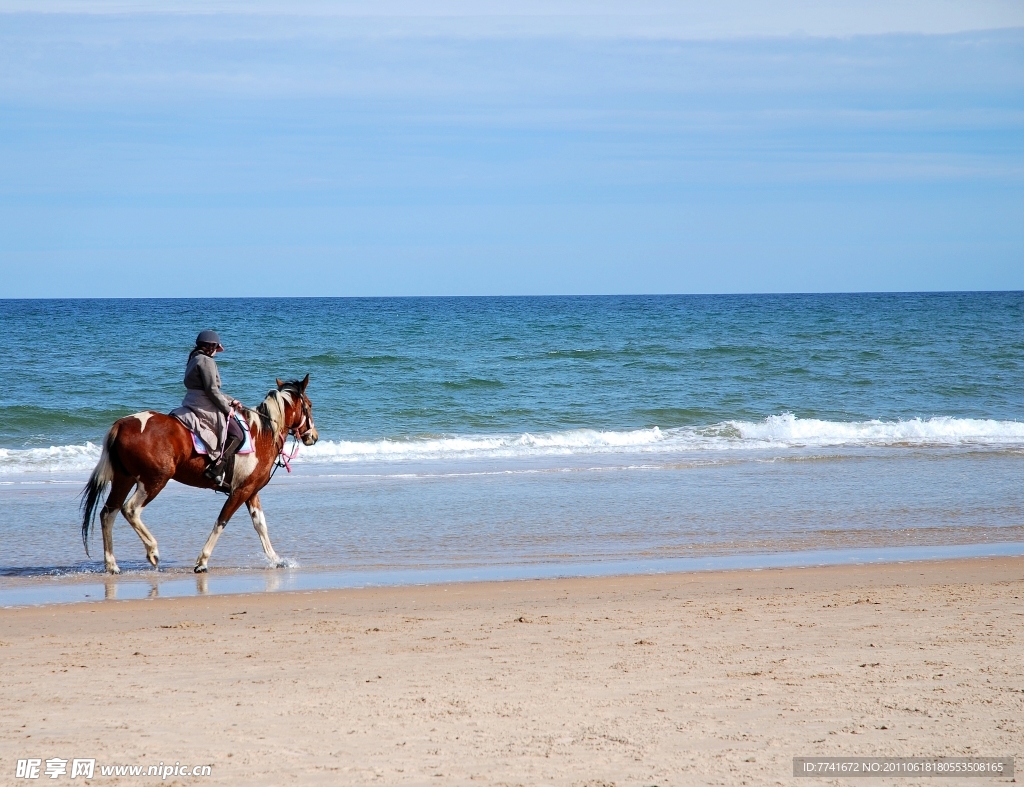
(154, 559)
(200, 569)
(114, 570)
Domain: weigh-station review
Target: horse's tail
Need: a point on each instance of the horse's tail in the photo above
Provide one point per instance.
(101, 477)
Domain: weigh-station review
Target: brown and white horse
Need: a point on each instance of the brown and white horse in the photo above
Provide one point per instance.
(146, 450)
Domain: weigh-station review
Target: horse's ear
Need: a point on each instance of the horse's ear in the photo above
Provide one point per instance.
(304, 383)
(280, 383)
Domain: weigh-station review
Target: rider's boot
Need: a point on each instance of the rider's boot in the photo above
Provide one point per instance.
(218, 471)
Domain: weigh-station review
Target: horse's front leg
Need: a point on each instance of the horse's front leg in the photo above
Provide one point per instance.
(259, 521)
(235, 499)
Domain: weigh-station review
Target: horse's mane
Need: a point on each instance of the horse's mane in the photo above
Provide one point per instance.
(273, 406)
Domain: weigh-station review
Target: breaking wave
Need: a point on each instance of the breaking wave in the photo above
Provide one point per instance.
(55, 459)
(774, 432)
(777, 431)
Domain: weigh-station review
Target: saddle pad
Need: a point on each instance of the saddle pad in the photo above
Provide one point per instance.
(247, 446)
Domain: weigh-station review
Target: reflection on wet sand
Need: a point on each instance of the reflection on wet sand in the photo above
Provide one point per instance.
(272, 581)
(123, 588)
(175, 585)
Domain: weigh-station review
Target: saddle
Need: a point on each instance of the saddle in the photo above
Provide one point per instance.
(247, 445)
(223, 471)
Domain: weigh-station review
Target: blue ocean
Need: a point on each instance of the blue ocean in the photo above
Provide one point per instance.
(481, 437)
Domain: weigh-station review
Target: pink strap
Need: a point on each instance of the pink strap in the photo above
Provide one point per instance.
(287, 458)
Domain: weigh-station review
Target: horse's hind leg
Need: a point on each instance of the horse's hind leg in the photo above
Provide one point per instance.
(120, 486)
(259, 521)
(132, 510)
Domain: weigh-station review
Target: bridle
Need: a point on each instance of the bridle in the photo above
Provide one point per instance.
(306, 425)
(300, 430)
(297, 433)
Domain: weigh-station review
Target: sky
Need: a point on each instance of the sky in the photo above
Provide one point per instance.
(317, 148)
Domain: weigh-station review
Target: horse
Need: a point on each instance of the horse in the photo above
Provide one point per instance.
(146, 450)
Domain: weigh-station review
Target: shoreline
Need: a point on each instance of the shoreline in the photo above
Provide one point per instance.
(671, 679)
(180, 582)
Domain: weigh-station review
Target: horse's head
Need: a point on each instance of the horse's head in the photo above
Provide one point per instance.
(298, 415)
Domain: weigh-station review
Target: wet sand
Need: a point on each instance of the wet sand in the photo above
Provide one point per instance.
(680, 679)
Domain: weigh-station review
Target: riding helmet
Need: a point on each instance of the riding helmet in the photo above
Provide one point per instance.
(209, 337)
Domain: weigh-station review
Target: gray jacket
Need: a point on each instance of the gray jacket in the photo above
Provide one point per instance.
(201, 374)
(204, 409)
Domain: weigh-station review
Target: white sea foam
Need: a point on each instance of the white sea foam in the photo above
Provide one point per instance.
(943, 431)
(55, 459)
(775, 432)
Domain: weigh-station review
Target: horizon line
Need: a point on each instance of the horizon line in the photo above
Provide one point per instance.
(519, 296)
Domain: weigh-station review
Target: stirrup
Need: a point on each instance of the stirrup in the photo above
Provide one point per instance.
(218, 477)
(215, 471)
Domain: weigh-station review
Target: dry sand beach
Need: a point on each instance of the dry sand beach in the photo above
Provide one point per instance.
(684, 679)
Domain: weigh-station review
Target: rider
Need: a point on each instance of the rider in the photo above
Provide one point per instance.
(206, 410)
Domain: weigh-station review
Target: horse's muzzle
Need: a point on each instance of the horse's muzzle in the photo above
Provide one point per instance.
(310, 437)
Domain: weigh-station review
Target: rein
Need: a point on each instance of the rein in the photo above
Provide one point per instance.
(262, 416)
(284, 459)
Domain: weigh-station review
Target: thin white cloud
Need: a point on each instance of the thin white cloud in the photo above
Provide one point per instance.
(601, 18)
(157, 137)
